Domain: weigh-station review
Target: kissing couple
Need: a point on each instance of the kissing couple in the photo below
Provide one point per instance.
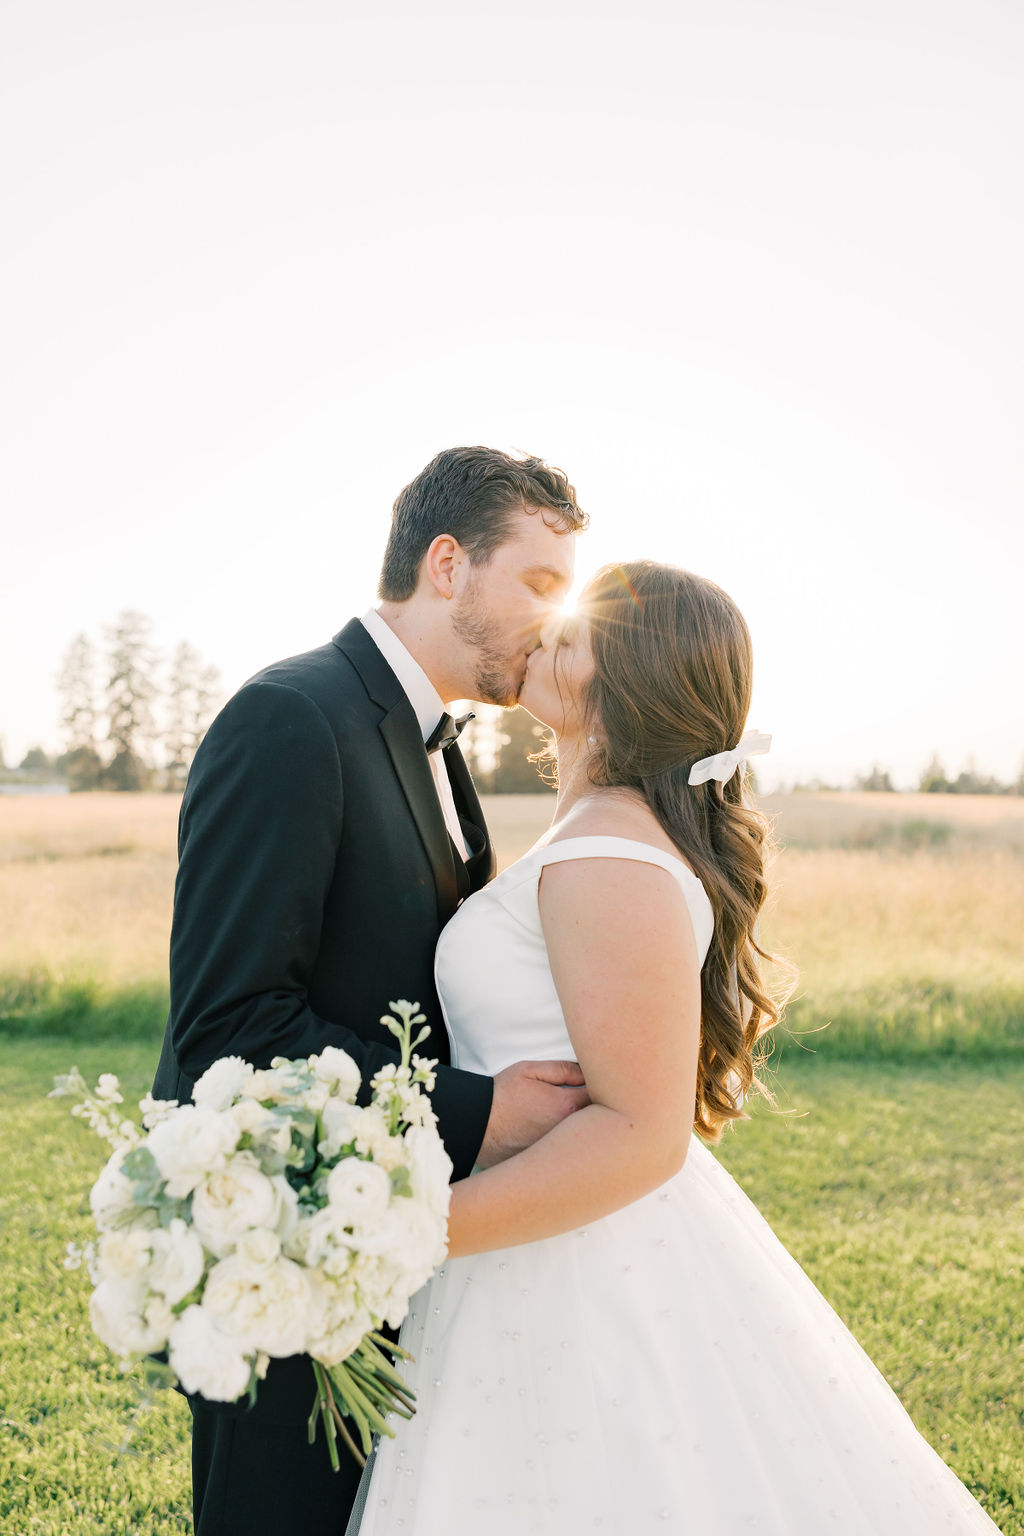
(617, 1341)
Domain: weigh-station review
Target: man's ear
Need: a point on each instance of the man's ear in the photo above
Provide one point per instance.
(442, 563)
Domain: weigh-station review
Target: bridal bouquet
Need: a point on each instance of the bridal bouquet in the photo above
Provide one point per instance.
(270, 1217)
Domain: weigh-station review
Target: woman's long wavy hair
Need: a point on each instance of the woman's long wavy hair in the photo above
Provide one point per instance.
(672, 684)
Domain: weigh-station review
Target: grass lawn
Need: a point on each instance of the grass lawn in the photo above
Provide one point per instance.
(898, 1187)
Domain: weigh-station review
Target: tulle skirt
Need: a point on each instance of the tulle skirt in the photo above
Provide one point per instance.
(668, 1369)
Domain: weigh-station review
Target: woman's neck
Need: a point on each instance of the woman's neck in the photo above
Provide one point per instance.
(572, 755)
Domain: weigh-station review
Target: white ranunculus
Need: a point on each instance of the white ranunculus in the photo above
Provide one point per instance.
(190, 1145)
(430, 1168)
(207, 1360)
(259, 1247)
(112, 1197)
(116, 1310)
(233, 1199)
(122, 1253)
(336, 1068)
(266, 1308)
(177, 1263)
(357, 1189)
(222, 1083)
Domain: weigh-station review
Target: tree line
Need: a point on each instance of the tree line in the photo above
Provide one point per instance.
(131, 715)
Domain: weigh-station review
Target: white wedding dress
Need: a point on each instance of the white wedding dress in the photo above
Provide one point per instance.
(670, 1368)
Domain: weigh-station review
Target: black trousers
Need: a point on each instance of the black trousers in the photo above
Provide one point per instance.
(254, 1472)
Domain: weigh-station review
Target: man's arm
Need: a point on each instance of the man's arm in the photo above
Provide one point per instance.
(261, 825)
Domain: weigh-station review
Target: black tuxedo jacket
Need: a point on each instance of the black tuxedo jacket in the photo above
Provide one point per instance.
(315, 875)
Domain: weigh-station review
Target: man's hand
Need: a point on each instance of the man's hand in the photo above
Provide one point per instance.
(530, 1098)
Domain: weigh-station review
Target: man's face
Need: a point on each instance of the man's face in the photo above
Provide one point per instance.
(501, 606)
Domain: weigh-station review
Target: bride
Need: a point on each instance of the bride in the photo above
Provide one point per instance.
(617, 1341)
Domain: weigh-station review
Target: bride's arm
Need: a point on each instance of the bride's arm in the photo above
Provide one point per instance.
(624, 961)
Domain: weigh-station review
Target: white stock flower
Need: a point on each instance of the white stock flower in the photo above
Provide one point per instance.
(207, 1360)
(155, 1110)
(266, 1308)
(373, 1139)
(336, 1068)
(177, 1263)
(357, 1190)
(112, 1197)
(233, 1199)
(107, 1089)
(222, 1082)
(190, 1145)
(116, 1309)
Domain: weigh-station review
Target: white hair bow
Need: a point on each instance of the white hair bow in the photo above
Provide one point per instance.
(724, 764)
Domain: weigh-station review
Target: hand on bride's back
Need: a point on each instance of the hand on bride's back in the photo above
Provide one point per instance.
(530, 1098)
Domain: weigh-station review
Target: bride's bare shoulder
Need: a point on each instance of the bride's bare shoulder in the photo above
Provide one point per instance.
(613, 813)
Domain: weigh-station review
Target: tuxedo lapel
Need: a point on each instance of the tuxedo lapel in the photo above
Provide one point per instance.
(401, 735)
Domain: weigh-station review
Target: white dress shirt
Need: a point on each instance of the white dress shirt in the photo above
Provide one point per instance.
(428, 705)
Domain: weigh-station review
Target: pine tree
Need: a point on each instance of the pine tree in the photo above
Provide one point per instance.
(130, 693)
(76, 685)
(192, 694)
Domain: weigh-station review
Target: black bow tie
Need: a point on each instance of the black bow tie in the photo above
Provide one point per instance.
(446, 732)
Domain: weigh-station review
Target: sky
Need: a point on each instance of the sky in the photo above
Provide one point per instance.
(749, 273)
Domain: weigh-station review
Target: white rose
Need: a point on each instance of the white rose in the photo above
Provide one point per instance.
(177, 1263)
(340, 1121)
(191, 1144)
(122, 1253)
(336, 1324)
(222, 1083)
(430, 1168)
(420, 1240)
(207, 1360)
(282, 1080)
(159, 1316)
(112, 1197)
(336, 1068)
(357, 1189)
(116, 1310)
(266, 1308)
(230, 1201)
(258, 1247)
(249, 1116)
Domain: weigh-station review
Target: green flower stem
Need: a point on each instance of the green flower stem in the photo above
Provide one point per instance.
(379, 1389)
(327, 1409)
(362, 1409)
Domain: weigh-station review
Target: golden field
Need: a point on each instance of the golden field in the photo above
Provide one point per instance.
(911, 900)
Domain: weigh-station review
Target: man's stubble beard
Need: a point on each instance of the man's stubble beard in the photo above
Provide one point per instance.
(492, 681)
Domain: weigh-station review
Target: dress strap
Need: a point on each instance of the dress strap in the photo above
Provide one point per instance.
(611, 847)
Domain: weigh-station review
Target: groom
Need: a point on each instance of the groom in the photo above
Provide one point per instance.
(328, 831)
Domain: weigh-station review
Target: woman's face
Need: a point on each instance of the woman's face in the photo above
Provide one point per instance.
(557, 675)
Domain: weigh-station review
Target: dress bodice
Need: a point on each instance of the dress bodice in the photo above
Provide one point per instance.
(492, 971)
